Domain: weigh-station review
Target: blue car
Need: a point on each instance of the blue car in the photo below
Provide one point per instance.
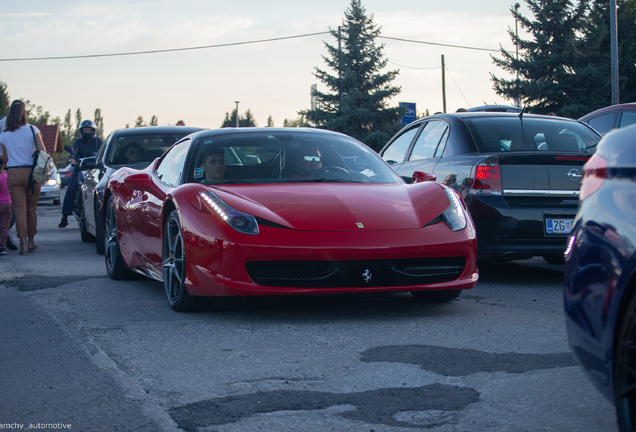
(600, 274)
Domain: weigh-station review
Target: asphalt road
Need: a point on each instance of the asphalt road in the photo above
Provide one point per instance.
(78, 349)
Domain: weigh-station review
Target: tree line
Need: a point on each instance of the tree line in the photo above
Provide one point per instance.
(563, 67)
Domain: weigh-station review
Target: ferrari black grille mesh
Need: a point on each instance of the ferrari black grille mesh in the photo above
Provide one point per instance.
(361, 273)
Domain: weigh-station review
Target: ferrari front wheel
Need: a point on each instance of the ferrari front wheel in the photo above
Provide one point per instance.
(173, 270)
(115, 266)
(436, 296)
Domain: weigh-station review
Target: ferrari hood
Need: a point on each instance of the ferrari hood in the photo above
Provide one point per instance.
(339, 206)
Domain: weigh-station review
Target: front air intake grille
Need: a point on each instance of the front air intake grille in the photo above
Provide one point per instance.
(363, 273)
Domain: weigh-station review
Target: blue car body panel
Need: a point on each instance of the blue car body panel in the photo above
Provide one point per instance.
(601, 261)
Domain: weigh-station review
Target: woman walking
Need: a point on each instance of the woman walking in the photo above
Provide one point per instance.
(5, 202)
(21, 140)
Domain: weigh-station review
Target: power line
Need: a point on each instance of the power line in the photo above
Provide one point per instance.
(162, 50)
(460, 90)
(409, 67)
(438, 44)
(120, 54)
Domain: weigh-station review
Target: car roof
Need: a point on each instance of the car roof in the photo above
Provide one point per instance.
(270, 130)
(627, 106)
(495, 108)
(490, 114)
(157, 130)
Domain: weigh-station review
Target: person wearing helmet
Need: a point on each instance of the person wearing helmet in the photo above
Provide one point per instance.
(86, 146)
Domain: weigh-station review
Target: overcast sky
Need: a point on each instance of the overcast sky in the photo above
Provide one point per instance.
(270, 78)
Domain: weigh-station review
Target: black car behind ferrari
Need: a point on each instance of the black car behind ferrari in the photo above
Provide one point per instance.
(519, 174)
(134, 147)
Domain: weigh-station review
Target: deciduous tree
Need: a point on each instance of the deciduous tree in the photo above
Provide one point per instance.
(5, 100)
(99, 123)
(78, 121)
(246, 120)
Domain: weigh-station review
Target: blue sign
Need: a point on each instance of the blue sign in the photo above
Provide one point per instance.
(409, 114)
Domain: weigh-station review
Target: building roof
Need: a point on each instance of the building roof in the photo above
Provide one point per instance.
(52, 138)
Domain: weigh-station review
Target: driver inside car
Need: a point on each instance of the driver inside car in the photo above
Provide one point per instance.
(308, 162)
(212, 167)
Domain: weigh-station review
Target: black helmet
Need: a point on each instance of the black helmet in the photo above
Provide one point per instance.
(87, 124)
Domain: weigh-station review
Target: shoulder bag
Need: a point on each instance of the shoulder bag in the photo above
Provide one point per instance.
(43, 165)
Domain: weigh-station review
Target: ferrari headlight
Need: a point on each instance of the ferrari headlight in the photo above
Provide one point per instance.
(240, 221)
(455, 216)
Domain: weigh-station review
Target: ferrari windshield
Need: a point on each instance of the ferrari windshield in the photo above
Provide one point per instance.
(286, 156)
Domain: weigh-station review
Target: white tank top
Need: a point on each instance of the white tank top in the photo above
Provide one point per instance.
(20, 145)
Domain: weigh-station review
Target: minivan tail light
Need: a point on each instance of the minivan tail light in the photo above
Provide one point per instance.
(594, 174)
(487, 179)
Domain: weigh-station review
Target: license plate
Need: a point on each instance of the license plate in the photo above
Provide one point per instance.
(558, 226)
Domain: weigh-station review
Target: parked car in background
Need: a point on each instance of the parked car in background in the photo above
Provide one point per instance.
(519, 174)
(611, 117)
(50, 191)
(295, 211)
(600, 274)
(65, 174)
(147, 143)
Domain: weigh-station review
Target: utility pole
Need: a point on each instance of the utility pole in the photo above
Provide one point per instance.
(614, 53)
(517, 98)
(237, 102)
(339, 54)
(443, 84)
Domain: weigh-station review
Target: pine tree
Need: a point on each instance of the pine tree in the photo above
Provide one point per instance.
(154, 121)
(597, 52)
(270, 121)
(357, 103)
(551, 76)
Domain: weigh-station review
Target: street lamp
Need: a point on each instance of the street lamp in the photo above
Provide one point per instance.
(237, 102)
(517, 6)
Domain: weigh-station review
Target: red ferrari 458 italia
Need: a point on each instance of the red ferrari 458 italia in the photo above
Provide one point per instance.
(253, 211)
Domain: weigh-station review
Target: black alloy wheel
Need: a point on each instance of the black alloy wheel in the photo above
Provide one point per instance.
(173, 270)
(100, 239)
(114, 261)
(436, 296)
(625, 370)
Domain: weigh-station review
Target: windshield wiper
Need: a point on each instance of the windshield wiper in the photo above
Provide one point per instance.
(235, 181)
(325, 180)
